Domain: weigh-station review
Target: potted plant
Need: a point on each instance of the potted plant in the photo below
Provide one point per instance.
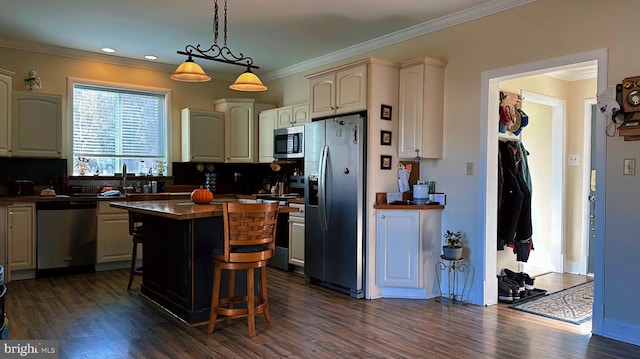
(453, 248)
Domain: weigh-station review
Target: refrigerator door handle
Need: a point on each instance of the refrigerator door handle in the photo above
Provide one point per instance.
(322, 204)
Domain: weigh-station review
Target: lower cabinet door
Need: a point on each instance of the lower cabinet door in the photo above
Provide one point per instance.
(296, 241)
(114, 240)
(21, 246)
(398, 251)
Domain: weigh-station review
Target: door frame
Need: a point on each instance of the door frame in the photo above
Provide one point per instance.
(586, 176)
(558, 167)
(488, 171)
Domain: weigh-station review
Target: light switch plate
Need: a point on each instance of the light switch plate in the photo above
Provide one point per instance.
(470, 168)
(629, 167)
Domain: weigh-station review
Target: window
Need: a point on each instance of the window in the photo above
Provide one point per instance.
(115, 125)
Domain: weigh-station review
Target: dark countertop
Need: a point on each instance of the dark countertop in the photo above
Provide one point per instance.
(9, 200)
(408, 206)
(182, 209)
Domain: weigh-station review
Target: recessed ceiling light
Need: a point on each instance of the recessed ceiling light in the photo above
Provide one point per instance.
(150, 57)
(108, 49)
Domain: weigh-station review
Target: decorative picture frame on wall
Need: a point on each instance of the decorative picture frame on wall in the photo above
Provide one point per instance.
(385, 112)
(385, 162)
(385, 138)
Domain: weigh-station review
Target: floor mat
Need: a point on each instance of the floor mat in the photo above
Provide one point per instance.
(573, 305)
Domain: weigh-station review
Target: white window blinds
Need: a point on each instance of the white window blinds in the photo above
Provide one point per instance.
(115, 123)
(112, 126)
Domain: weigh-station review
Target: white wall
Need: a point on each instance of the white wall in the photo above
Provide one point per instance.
(541, 30)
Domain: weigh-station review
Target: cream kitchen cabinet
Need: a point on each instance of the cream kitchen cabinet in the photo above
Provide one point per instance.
(408, 246)
(114, 243)
(36, 125)
(267, 124)
(296, 115)
(202, 136)
(338, 90)
(6, 83)
(241, 121)
(296, 235)
(421, 112)
(21, 238)
(398, 249)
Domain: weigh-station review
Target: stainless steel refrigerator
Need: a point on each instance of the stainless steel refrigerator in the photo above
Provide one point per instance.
(334, 164)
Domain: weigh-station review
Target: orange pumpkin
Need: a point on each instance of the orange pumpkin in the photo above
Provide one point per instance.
(201, 196)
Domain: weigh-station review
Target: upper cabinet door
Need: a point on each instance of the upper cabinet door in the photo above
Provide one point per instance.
(296, 115)
(300, 114)
(410, 113)
(421, 111)
(36, 125)
(351, 89)
(202, 136)
(239, 130)
(5, 114)
(285, 117)
(323, 95)
(338, 91)
(265, 142)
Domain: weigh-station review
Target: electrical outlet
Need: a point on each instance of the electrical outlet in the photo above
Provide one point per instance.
(574, 159)
(469, 168)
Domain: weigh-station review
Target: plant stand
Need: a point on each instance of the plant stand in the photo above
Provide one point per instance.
(454, 268)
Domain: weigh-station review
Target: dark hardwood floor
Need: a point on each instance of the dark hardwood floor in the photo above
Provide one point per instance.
(94, 316)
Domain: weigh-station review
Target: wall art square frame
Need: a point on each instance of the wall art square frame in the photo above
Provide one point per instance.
(385, 112)
(385, 138)
(385, 162)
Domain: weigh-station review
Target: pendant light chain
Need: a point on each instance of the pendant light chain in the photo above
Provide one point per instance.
(215, 23)
(225, 23)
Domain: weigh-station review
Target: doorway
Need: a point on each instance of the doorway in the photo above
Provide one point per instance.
(545, 141)
(488, 158)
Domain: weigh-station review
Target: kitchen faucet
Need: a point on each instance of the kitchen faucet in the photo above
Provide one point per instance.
(125, 188)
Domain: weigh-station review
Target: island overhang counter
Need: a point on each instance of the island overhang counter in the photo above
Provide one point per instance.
(178, 266)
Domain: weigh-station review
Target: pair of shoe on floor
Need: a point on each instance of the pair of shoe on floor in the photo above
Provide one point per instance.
(512, 286)
(524, 281)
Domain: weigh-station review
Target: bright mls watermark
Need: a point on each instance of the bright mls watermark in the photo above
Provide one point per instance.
(29, 349)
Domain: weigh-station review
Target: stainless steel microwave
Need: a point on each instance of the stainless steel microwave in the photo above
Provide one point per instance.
(288, 142)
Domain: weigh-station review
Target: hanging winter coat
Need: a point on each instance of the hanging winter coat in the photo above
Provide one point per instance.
(514, 205)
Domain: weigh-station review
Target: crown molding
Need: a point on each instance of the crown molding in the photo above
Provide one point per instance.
(462, 16)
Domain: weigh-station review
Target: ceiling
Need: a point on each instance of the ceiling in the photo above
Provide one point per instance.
(282, 36)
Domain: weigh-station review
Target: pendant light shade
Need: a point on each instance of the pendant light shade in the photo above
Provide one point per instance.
(248, 81)
(189, 71)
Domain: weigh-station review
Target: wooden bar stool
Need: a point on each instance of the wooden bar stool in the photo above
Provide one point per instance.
(136, 229)
(249, 241)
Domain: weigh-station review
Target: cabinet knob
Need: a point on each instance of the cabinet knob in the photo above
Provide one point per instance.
(383, 216)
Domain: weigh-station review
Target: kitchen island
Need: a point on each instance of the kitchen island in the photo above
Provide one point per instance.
(178, 266)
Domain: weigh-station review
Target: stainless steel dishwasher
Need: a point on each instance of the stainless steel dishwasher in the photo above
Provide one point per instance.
(66, 236)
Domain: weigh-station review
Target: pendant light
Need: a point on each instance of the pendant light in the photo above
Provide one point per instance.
(189, 71)
(248, 81)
